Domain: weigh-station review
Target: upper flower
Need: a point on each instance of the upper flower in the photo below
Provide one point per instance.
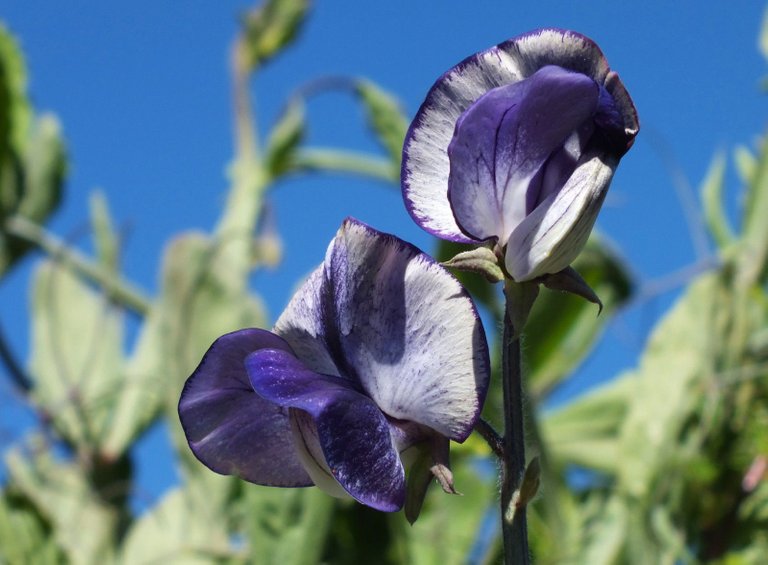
(379, 351)
(518, 145)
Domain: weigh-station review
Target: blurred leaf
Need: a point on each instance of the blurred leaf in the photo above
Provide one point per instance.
(754, 248)
(176, 530)
(285, 137)
(271, 27)
(385, 118)
(44, 169)
(105, 237)
(714, 207)
(680, 352)
(763, 39)
(25, 537)
(586, 430)
(140, 395)
(563, 328)
(286, 526)
(82, 524)
(605, 535)
(32, 162)
(15, 111)
(76, 357)
(746, 164)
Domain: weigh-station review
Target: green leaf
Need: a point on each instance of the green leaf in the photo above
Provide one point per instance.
(32, 163)
(25, 537)
(177, 530)
(105, 237)
(746, 164)
(271, 27)
(712, 198)
(82, 524)
(754, 241)
(586, 430)
(141, 393)
(763, 39)
(563, 328)
(15, 110)
(385, 118)
(76, 354)
(285, 137)
(286, 526)
(45, 167)
(679, 354)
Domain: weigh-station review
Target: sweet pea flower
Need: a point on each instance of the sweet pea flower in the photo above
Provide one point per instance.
(517, 146)
(380, 351)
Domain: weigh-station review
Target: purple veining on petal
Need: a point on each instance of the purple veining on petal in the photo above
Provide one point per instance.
(504, 139)
(426, 166)
(230, 428)
(409, 330)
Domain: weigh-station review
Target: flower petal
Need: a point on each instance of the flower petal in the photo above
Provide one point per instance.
(303, 325)
(426, 167)
(551, 237)
(230, 428)
(353, 434)
(408, 331)
(504, 139)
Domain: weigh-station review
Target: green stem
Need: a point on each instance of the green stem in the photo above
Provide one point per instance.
(513, 518)
(340, 161)
(119, 291)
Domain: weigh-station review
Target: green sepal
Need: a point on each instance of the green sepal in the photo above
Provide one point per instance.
(480, 260)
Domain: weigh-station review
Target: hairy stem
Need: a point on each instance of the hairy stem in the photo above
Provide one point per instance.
(513, 517)
(491, 437)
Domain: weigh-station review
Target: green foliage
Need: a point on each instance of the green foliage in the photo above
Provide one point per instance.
(32, 161)
(285, 138)
(77, 356)
(385, 118)
(271, 27)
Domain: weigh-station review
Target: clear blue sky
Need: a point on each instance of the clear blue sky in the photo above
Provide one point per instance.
(142, 91)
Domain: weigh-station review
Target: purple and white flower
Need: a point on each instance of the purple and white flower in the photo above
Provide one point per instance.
(517, 146)
(381, 350)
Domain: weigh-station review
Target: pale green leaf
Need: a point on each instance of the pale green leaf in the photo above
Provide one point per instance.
(285, 137)
(586, 430)
(82, 524)
(746, 164)
(25, 536)
(178, 531)
(712, 199)
(104, 235)
(76, 357)
(385, 118)
(271, 27)
(679, 354)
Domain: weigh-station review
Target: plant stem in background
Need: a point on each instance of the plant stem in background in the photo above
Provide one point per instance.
(513, 520)
(118, 290)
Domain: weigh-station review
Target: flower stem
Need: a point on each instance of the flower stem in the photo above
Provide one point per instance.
(513, 517)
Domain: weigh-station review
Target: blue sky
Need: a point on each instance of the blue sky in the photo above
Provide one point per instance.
(142, 91)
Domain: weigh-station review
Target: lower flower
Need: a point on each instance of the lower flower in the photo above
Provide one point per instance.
(380, 351)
